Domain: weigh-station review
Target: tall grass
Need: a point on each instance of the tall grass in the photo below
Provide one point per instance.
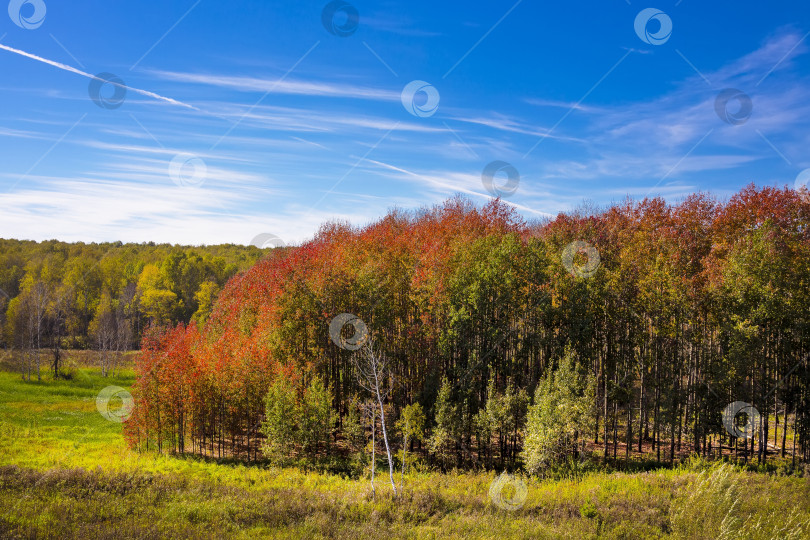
(727, 504)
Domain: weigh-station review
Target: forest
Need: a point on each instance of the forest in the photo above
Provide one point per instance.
(475, 339)
(56, 296)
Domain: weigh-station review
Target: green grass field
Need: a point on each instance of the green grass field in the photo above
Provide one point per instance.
(66, 472)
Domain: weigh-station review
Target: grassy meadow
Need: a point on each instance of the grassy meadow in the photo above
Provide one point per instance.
(66, 472)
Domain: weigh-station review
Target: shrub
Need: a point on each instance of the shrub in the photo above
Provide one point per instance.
(291, 422)
(561, 416)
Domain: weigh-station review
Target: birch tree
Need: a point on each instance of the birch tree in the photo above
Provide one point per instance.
(374, 377)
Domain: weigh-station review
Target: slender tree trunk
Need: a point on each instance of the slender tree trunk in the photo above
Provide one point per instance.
(404, 449)
(373, 450)
(615, 429)
(795, 436)
(605, 435)
(629, 443)
(657, 418)
(642, 420)
(387, 448)
(784, 433)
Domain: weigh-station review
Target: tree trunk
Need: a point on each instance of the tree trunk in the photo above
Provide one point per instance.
(404, 449)
(387, 447)
(373, 451)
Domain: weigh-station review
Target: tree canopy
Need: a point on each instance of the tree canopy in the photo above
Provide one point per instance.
(689, 307)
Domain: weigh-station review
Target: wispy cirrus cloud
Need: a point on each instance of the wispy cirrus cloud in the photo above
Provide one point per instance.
(301, 119)
(540, 102)
(289, 86)
(446, 183)
(679, 133)
(71, 69)
(682, 116)
(23, 134)
(400, 25)
(503, 122)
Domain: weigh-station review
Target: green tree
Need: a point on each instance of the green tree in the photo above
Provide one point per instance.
(317, 419)
(281, 422)
(292, 423)
(515, 404)
(411, 426)
(205, 297)
(353, 429)
(483, 433)
(159, 305)
(497, 416)
(561, 416)
(442, 441)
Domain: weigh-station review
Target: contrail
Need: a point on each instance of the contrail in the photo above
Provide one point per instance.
(71, 69)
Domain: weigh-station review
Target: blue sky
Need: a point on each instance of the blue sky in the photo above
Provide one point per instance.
(252, 117)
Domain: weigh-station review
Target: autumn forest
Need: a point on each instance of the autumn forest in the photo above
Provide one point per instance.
(646, 319)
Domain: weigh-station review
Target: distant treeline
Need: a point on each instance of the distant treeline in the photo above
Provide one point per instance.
(56, 295)
(669, 313)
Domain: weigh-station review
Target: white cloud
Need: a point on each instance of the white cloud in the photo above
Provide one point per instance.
(97, 210)
(286, 86)
(504, 123)
(71, 69)
(686, 114)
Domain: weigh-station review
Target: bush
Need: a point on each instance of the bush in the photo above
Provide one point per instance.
(561, 416)
(280, 425)
(292, 423)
